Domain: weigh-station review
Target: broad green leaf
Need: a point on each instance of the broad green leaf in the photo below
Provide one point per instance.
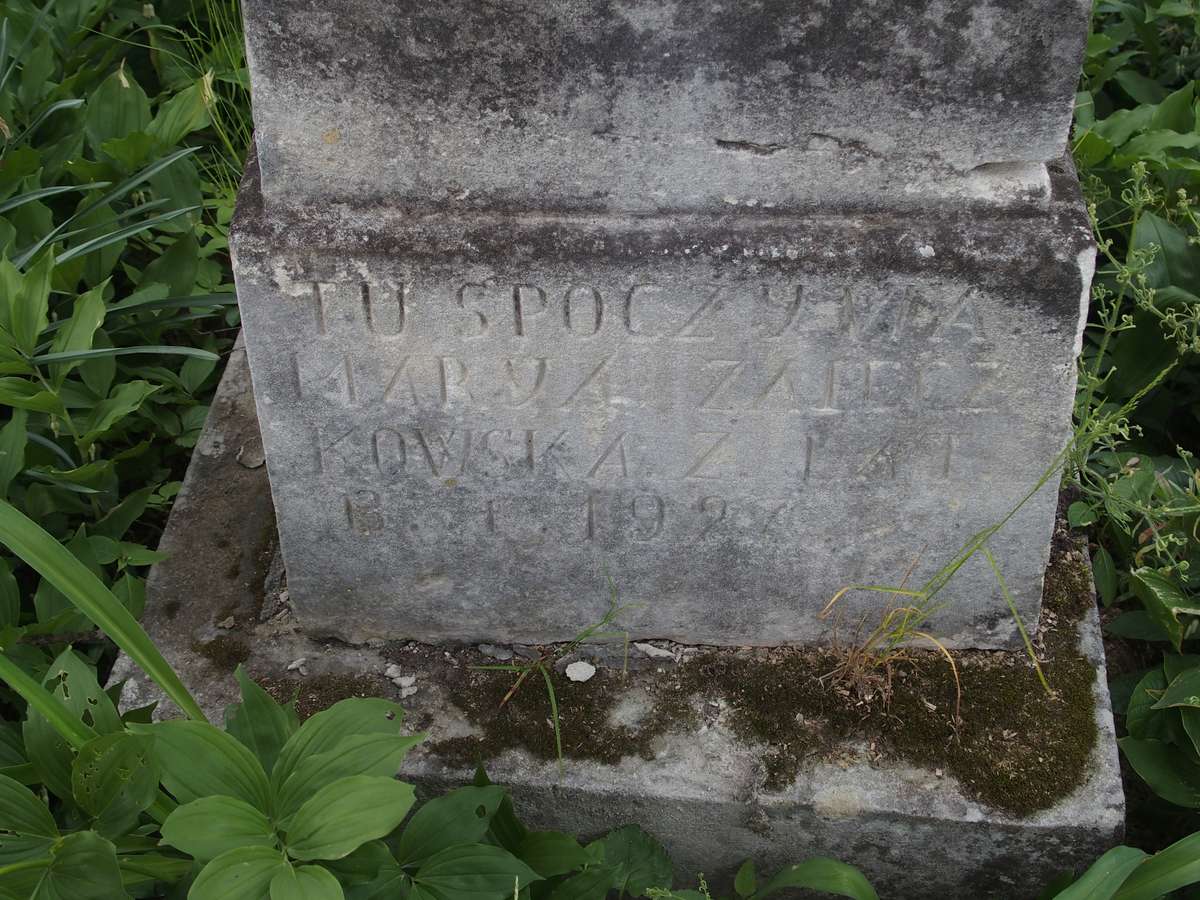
(24, 394)
(1162, 599)
(1168, 870)
(1175, 112)
(199, 760)
(210, 826)
(176, 268)
(28, 311)
(1177, 261)
(325, 730)
(242, 874)
(142, 870)
(639, 860)
(74, 683)
(132, 150)
(1184, 690)
(592, 883)
(1167, 770)
(506, 829)
(116, 108)
(114, 778)
(358, 754)
(82, 866)
(1139, 87)
(260, 723)
(27, 830)
(1105, 876)
(1141, 719)
(1091, 149)
(178, 117)
(305, 883)
(344, 815)
(821, 874)
(52, 561)
(459, 817)
(1153, 144)
(745, 882)
(551, 853)
(12, 448)
(1080, 514)
(123, 515)
(473, 872)
(78, 331)
(1104, 571)
(107, 413)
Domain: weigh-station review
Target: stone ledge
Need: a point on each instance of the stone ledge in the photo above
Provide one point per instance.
(218, 602)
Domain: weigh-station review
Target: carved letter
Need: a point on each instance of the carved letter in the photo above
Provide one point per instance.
(579, 324)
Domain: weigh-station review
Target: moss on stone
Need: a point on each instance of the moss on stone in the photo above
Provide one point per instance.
(321, 691)
(1016, 748)
(585, 709)
(224, 651)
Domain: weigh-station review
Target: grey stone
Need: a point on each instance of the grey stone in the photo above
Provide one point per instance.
(654, 652)
(471, 423)
(910, 829)
(501, 653)
(654, 105)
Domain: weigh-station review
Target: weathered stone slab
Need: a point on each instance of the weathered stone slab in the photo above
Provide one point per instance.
(912, 829)
(471, 424)
(662, 104)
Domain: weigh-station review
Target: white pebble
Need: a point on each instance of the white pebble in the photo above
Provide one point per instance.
(580, 671)
(654, 652)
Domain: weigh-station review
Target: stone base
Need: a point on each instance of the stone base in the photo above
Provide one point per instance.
(915, 830)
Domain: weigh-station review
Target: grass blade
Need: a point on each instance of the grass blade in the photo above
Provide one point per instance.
(163, 350)
(553, 715)
(56, 564)
(1166, 871)
(30, 196)
(1012, 608)
(47, 113)
(121, 233)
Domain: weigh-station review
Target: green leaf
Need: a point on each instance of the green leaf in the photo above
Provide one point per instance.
(1104, 572)
(29, 309)
(184, 113)
(821, 874)
(1184, 690)
(114, 779)
(176, 268)
(305, 883)
(74, 683)
(325, 730)
(1105, 876)
(639, 860)
(459, 817)
(260, 723)
(1163, 601)
(13, 437)
(77, 333)
(116, 108)
(27, 830)
(199, 760)
(83, 866)
(22, 394)
(210, 826)
(473, 872)
(1175, 113)
(1168, 771)
(1139, 87)
(1152, 144)
(745, 881)
(1080, 514)
(1141, 719)
(107, 413)
(53, 562)
(1168, 870)
(242, 874)
(358, 754)
(343, 815)
(130, 151)
(1090, 149)
(1177, 261)
(592, 883)
(551, 853)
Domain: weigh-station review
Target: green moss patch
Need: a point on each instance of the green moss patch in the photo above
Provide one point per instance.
(224, 651)
(589, 718)
(1016, 748)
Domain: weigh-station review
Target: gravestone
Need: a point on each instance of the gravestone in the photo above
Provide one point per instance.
(727, 305)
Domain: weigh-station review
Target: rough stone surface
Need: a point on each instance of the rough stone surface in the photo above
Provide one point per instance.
(472, 423)
(652, 105)
(914, 833)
